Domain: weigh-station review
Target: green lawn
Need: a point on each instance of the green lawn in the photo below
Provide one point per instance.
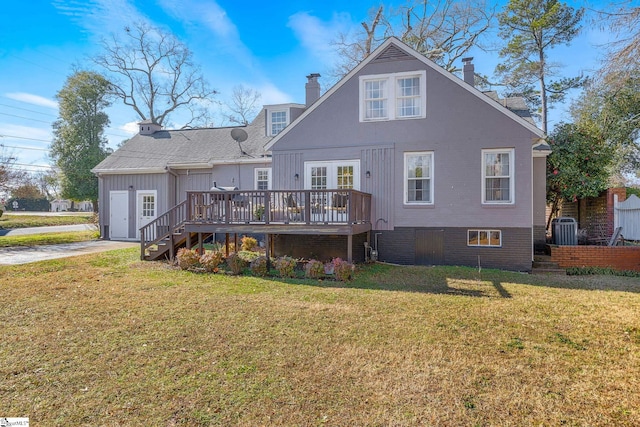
(10, 221)
(106, 339)
(48, 238)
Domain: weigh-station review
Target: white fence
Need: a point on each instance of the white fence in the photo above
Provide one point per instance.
(627, 216)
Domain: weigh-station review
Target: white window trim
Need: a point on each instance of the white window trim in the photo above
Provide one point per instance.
(406, 178)
(488, 231)
(512, 177)
(391, 98)
(270, 119)
(332, 167)
(255, 177)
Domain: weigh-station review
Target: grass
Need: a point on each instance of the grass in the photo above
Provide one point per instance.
(48, 238)
(22, 221)
(109, 340)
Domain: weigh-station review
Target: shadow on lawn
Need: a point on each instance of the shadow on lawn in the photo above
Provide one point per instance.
(434, 280)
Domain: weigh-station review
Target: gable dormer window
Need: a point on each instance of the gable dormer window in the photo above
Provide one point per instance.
(278, 120)
(393, 96)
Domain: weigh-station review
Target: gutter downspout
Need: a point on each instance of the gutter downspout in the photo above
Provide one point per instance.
(175, 184)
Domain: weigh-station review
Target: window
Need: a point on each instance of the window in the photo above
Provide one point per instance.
(263, 178)
(489, 238)
(278, 120)
(375, 99)
(497, 176)
(418, 182)
(149, 206)
(408, 97)
(393, 96)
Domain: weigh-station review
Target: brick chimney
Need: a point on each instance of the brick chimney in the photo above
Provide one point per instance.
(312, 89)
(468, 71)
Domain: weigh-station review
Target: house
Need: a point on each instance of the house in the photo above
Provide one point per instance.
(63, 205)
(454, 176)
(399, 161)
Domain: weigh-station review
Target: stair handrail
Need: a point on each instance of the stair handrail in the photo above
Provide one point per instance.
(162, 227)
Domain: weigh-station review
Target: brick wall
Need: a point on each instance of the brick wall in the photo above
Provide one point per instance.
(616, 257)
(594, 214)
(399, 246)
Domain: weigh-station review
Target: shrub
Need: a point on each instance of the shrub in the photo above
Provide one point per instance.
(211, 260)
(342, 270)
(259, 266)
(286, 266)
(187, 259)
(248, 256)
(235, 263)
(314, 269)
(248, 243)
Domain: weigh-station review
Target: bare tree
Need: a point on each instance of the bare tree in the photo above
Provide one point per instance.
(623, 54)
(10, 174)
(243, 105)
(153, 72)
(443, 31)
(353, 48)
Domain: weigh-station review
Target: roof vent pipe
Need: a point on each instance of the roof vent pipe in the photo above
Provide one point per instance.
(312, 89)
(468, 71)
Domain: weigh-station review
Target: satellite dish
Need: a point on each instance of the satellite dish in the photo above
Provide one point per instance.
(239, 135)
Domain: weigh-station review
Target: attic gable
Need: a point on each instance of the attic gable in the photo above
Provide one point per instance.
(394, 49)
(391, 53)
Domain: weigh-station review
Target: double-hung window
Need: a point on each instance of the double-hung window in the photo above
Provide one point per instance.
(408, 97)
(393, 96)
(418, 178)
(375, 99)
(498, 176)
(263, 178)
(278, 120)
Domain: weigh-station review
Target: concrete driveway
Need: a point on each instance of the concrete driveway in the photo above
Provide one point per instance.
(27, 254)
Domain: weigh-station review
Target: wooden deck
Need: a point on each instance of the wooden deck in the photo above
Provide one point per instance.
(306, 212)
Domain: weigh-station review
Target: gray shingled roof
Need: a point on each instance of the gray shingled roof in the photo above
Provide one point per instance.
(516, 104)
(198, 146)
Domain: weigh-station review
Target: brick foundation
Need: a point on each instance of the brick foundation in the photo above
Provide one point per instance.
(616, 257)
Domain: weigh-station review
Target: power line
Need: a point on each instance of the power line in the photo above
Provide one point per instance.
(26, 109)
(26, 118)
(23, 148)
(22, 137)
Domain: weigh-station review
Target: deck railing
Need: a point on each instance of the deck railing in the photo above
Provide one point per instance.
(162, 227)
(279, 207)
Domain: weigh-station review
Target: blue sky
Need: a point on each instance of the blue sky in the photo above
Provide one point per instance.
(267, 46)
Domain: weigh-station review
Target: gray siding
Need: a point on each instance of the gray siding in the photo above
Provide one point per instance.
(162, 183)
(457, 127)
(171, 189)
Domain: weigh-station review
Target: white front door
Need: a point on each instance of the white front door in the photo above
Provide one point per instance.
(146, 209)
(118, 215)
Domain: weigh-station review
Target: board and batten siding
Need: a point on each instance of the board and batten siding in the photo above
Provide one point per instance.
(161, 182)
(379, 161)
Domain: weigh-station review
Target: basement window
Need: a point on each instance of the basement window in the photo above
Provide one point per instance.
(485, 238)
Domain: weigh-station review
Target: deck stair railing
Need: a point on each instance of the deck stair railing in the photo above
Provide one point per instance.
(162, 229)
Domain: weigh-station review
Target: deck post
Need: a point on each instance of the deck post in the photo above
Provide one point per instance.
(350, 248)
(267, 245)
(142, 244)
(226, 244)
(200, 245)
